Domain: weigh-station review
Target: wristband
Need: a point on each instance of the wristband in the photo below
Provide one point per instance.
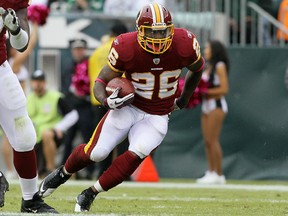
(16, 31)
(20, 40)
(102, 81)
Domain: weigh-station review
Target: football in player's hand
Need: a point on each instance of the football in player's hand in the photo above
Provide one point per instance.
(126, 87)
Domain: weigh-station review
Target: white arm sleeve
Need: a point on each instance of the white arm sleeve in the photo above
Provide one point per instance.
(68, 120)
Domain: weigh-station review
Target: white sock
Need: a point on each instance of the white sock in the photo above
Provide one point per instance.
(28, 187)
(98, 187)
(65, 171)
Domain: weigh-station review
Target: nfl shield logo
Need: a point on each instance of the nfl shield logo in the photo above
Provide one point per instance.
(156, 60)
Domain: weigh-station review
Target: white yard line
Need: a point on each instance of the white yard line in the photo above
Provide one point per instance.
(177, 185)
(188, 185)
(194, 185)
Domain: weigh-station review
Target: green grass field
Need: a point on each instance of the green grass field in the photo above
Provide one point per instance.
(169, 197)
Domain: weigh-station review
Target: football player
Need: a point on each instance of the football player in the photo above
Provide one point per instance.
(152, 59)
(13, 113)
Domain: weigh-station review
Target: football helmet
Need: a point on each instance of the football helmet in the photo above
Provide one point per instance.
(155, 28)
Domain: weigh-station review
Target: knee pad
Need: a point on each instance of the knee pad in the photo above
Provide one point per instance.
(99, 154)
(24, 137)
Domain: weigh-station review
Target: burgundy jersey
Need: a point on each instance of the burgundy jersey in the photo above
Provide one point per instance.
(15, 5)
(154, 77)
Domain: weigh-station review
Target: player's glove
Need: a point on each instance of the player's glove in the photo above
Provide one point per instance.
(114, 102)
(10, 20)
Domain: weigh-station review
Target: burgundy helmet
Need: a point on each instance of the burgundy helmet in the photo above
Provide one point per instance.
(155, 28)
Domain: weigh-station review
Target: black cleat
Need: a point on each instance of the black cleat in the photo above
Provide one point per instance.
(4, 186)
(36, 205)
(52, 181)
(84, 200)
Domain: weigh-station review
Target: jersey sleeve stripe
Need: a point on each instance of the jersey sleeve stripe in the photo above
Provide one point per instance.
(201, 68)
(196, 60)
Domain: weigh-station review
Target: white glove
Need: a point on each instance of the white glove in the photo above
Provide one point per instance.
(114, 102)
(10, 20)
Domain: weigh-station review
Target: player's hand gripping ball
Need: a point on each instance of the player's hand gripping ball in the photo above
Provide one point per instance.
(121, 92)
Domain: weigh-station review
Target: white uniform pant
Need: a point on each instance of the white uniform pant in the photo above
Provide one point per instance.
(145, 132)
(14, 118)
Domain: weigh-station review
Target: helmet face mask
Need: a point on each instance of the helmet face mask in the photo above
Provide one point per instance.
(155, 28)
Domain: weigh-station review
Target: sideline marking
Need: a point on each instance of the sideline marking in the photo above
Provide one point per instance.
(178, 185)
(192, 185)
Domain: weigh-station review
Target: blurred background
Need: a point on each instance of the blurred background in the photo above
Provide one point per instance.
(255, 133)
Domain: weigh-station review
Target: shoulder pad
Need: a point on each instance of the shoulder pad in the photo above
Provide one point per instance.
(124, 44)
(184, 42)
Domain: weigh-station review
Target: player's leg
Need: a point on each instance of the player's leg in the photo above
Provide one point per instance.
(98, 112)
(19, 129)
(21, 139)
(96, 150)
(144, 136)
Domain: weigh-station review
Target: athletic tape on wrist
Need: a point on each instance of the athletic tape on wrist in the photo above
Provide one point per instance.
(20, 40)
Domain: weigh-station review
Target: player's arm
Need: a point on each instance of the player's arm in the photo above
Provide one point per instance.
(223, 87)
(105, 75)
(192, 80)
(17, 25)
(113, 101)
(193, 75)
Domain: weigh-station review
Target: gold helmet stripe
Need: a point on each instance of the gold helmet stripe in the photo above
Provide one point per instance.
(161, 13)
(157, 13)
